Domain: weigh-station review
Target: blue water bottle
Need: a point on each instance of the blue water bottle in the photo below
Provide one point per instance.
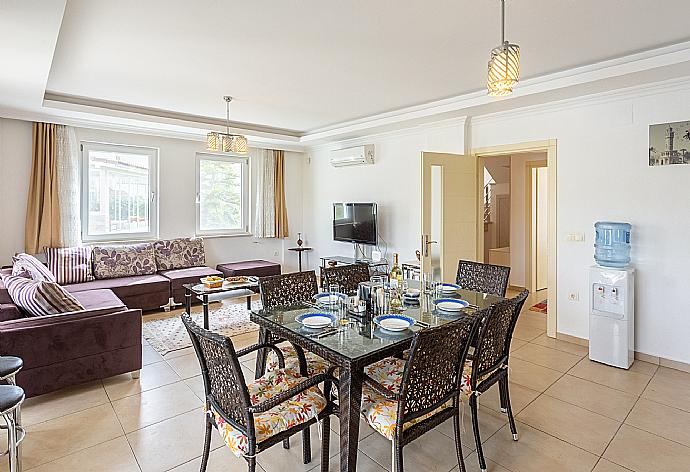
(612, 244)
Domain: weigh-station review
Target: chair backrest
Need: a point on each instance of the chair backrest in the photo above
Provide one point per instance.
(288, 289)
(433, 371)
(224, 381)
(480, 277)
(495, 334)
(347, 276)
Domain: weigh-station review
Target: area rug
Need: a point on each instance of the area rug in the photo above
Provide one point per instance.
(169, 334)
(541, 307)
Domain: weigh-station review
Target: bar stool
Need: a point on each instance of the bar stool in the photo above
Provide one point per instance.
(9, 366)
(11, 399)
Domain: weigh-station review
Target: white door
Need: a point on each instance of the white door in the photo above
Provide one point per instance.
(450, 213)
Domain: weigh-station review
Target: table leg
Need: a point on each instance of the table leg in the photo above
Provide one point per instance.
(299, 260)
(188, 301)
(350, 399)
(204, 303)
(249, 302)
(264, 335)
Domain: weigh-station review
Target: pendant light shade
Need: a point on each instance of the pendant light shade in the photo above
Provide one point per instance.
(504, 64)
(226, 142)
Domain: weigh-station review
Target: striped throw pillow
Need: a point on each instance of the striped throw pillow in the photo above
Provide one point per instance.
(71, 265)
(27, 264)
(39, 298)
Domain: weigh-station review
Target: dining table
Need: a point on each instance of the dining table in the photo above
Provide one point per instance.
(356, 342)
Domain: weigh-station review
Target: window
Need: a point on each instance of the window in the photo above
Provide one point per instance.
(222, 194)
(119, 185)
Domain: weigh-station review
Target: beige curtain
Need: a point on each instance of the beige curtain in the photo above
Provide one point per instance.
(42, 226)
(281, 217)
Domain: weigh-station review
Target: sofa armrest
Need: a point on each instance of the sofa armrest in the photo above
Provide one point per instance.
(45, 340)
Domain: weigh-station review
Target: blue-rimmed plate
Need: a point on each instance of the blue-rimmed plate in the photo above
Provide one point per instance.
(451, 304)
(315, 320)
(449, 288)
(329, 298)
(394, 322)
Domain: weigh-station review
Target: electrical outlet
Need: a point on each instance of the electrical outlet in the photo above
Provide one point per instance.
(573, 296)
(575, 237)
(275, 253)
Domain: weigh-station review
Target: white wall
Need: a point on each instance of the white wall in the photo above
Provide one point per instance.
(393, 182)
(176, 190)
(603, 173)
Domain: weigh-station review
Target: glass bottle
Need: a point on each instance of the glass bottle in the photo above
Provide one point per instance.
(396, 273)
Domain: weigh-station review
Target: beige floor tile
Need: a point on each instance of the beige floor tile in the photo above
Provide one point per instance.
(536, 452)
(432, 452)
(111, 456)
(606, 466)
(472, 465)
(172, 442)
(149, 355)
(196, 384)
(516, 343)
(547, 357)
(364, 464)
(219, 460)
(277, 459)
(527, 333)
(152, 406)
(520, 397)
(529, 319)
(185, 366)
(244, 340)
(632, 381)
(59, 437)
(665, 421)
(641, 451)
(63, 402)
(489, 422)
(152, 376)
(592, 396)
(364, 428)
(670, 387)
(582, 428)
(531, 375)
(553, 343)
(179, 352)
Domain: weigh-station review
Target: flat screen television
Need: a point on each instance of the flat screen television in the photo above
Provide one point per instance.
(355, 223)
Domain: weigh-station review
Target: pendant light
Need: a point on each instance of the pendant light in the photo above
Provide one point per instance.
(226, 142)
(504, 64)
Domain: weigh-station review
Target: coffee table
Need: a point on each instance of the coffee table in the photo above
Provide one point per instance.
(228, 290)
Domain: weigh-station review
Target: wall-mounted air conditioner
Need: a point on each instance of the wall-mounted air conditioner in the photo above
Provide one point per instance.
(354, 156)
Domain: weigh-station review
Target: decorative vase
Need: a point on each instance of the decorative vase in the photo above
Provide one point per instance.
(299, 240)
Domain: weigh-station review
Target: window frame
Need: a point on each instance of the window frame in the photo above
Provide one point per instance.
(245, 195)
(153, 155)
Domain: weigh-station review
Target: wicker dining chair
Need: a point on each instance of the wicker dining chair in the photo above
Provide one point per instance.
(348, 277)
(480, 277)
(402, 400)
(253, 416)
(488, 364)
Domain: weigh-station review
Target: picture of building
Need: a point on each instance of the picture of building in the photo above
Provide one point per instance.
(669, 143)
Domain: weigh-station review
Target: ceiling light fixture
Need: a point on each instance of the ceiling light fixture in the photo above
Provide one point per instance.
(226, 142)
(504, 64)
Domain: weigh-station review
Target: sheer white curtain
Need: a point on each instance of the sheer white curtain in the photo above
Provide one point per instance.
(68, 186)
(264, 223)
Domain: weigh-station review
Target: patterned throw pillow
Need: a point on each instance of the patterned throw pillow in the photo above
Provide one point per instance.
(70, 265)
(110, 262)
(24, 264)
(39, 298)
(179, 253)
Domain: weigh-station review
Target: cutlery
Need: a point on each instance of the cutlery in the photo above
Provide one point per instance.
(423, 324)
(330, 333)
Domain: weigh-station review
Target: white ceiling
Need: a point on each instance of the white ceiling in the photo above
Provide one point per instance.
(309, 64)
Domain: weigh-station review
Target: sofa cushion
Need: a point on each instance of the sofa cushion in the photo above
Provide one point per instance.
(24, 264)
(70, 265)
(4, 294)
(179, 253)
(123, 261)
(125, 286)
(98, 299)
(9, 311)
(189, 275)
(40, 298)
(258, 268)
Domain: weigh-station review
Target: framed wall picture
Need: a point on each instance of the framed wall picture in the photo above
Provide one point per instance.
(669, 143)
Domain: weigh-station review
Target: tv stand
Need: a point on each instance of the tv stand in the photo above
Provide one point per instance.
(376, 268)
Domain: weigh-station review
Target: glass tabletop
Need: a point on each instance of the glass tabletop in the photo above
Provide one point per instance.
(353, 336)
(201, 289)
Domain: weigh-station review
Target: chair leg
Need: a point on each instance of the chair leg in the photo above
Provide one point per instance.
(458, 441)
(286, 443)
(207, 447)
(251, 462)
(11, 443)
(306, 446)
(398, 456)
(511, 419)
(325, 443)
(502, 396)
(477, 437)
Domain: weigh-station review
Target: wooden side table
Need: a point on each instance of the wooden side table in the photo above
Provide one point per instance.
(299, 250)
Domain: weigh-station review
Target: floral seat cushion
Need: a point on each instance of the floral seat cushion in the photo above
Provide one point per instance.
(380, 412)
(315, 364)
(295, 411)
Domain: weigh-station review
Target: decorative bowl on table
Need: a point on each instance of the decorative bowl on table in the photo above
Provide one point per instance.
(236, 279)
(212, 281)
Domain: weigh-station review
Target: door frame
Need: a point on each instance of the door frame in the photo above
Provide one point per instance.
(529, 243)
(549, 146)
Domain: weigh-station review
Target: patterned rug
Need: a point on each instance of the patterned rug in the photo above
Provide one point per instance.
(169, 334)
(541, 307)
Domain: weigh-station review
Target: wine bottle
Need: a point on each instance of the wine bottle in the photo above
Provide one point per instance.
(396, 274)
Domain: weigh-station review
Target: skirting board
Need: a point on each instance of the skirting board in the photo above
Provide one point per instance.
(661, 361)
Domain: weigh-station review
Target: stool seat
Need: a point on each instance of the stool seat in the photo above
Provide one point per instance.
(258, 268)
(10, 365)
(10, 396)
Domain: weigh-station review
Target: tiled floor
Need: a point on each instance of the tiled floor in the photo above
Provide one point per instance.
(573, 415)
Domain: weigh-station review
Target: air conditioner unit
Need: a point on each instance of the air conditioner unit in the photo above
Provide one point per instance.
(354, 156)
